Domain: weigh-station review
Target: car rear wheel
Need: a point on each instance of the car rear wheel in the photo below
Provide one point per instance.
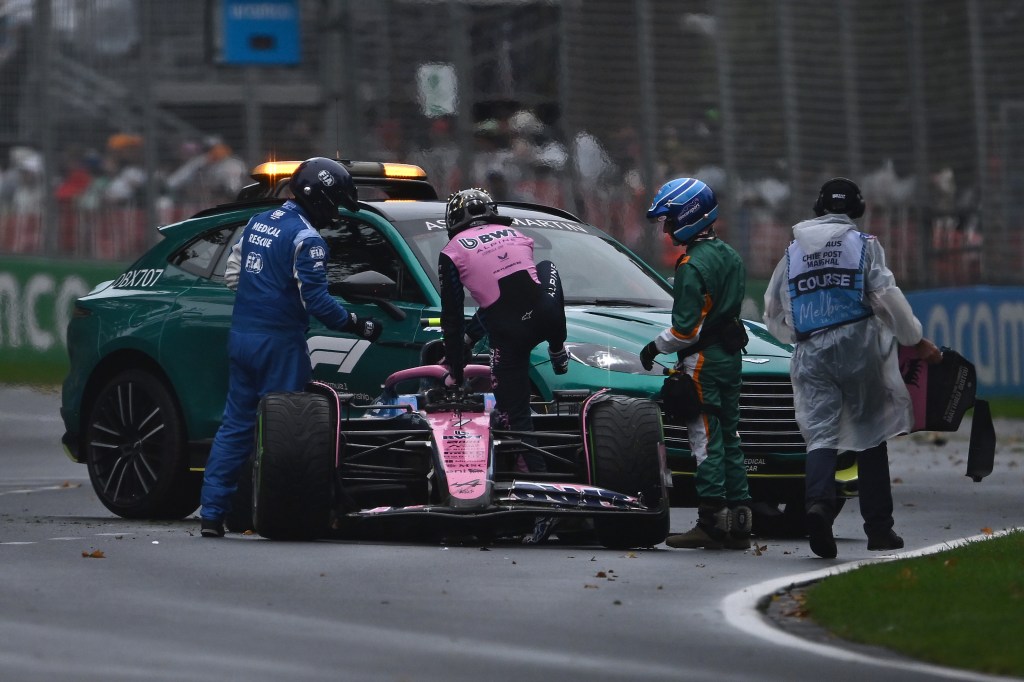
(293, 467)
(135, 449)
(625, 439)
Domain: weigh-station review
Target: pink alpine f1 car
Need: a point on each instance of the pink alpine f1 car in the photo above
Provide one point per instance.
(429, 461)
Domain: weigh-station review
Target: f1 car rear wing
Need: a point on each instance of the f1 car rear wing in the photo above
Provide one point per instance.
(375, 181)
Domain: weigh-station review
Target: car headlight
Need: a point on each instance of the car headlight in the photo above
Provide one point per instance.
(610, 358)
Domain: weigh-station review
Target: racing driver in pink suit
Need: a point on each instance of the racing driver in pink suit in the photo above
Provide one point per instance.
(520, 305)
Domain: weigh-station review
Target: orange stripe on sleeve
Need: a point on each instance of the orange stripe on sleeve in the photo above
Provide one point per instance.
(703, 316)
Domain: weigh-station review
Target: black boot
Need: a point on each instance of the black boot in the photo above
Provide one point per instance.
(885, 541)
(819, 529)
(711, 530)
(211, 528)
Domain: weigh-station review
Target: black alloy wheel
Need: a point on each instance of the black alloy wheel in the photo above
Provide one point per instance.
(135, 449)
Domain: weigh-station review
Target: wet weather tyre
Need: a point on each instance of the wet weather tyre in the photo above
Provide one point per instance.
(293, 468)
(135, 449)
(626, 450)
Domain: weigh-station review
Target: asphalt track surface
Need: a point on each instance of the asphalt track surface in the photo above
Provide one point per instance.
(85, 595)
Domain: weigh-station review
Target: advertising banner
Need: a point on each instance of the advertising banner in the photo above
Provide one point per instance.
(37, 297)
(986, 326)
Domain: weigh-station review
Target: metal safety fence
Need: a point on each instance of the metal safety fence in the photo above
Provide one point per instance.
(117, 116)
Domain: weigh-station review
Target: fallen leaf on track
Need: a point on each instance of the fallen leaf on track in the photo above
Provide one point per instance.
(95, 554)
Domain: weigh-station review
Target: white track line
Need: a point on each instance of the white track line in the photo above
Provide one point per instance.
(25, 417)
(740, 609)
(25, 491)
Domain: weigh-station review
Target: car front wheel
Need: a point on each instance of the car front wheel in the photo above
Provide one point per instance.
(294, 464)
(134, 445)
(625, 438)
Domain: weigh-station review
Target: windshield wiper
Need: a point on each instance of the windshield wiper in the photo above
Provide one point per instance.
(620, 302)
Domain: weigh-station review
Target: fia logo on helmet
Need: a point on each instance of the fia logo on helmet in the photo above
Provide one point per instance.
(326, 178)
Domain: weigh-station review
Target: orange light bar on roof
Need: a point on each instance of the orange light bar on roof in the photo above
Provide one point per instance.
(403, 170)
(275, 168)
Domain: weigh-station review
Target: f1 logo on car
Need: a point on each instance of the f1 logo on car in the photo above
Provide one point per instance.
(336, 352)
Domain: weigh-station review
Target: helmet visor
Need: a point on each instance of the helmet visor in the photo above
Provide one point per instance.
(479, 208)
(667, 226)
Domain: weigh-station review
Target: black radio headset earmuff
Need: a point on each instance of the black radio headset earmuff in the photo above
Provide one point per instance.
(851, 203)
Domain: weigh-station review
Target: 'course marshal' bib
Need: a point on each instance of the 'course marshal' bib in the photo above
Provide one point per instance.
(826, 288)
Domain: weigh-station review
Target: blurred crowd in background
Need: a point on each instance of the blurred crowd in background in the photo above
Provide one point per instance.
(100, 191)
(100, 194)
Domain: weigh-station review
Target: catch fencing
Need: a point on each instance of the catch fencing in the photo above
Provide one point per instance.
(117, 116)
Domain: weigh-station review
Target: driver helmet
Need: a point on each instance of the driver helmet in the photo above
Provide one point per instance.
(320, 186)
(685, 207)
(840, 195)
(469, 207)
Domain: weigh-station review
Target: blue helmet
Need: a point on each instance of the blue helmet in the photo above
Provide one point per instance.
(686, 206)
(320, 185)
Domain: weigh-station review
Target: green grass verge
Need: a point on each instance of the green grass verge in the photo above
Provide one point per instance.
(961, 608)
(32, 373)
(1007, 408)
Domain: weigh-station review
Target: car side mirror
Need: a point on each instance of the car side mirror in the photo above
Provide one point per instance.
(369, 286)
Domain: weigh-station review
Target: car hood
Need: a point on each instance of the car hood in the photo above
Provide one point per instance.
(630, 329)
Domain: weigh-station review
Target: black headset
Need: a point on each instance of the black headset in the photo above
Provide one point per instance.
(840, 195)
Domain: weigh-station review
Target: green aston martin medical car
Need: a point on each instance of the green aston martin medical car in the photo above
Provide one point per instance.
(148, 350)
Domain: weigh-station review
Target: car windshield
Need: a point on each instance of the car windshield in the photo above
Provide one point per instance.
(595, 270)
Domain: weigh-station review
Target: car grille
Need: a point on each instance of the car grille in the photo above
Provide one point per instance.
(767, 419)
